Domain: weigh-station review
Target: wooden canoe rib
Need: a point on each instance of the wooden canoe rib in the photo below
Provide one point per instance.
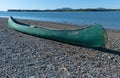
(92, 36)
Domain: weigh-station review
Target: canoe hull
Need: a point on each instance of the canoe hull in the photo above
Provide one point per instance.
(92, 36)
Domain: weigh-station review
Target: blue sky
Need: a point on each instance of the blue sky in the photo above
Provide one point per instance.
(53, 4)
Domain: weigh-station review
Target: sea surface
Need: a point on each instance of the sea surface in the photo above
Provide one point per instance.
(109, 20)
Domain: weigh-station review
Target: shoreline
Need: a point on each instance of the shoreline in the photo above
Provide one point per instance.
(23, 55)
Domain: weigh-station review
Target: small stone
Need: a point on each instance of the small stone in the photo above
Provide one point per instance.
(31, 64)
(32, 77)
(109, 57)
(63, 72)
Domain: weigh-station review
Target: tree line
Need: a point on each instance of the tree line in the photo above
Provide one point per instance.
(63, 10)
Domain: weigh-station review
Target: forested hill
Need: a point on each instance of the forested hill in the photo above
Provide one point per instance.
(64, 10)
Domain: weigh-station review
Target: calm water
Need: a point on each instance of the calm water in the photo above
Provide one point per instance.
(110, 20)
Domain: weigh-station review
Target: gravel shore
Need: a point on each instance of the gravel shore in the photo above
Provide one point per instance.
(26, 56)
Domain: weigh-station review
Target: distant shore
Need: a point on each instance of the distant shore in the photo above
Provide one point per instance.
(23, 55)
(65, 10)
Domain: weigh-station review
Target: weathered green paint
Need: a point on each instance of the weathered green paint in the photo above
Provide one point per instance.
(92, 36)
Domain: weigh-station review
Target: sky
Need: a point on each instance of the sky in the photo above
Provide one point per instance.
(54, 4)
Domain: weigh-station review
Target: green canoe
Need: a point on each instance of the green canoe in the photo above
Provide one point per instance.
(91, 36)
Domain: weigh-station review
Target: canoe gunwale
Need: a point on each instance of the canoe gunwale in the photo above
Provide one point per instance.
(37, 27)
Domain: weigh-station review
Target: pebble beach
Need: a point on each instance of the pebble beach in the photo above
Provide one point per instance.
(26, 56)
